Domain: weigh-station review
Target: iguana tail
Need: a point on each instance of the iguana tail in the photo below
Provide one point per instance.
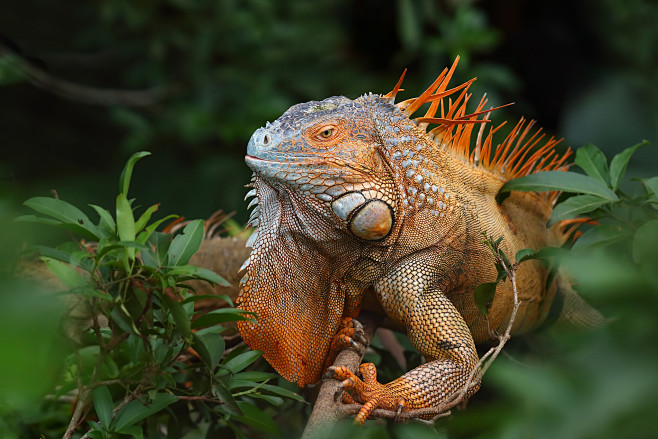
(571, 310)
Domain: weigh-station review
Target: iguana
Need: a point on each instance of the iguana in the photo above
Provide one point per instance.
(355, 203)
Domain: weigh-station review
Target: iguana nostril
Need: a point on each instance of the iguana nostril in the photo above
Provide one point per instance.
(266, 139)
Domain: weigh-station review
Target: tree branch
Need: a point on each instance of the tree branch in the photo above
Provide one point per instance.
(327, 411)
(86, 94)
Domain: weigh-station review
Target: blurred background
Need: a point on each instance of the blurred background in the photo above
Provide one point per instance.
(202, 75)
(84, 85)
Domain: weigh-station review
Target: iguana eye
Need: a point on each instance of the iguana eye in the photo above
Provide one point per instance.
(326, 133)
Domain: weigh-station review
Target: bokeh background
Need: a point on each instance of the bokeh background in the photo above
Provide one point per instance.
(191, 80)
(586, 70)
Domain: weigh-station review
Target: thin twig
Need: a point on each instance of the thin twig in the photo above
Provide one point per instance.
(86, 94)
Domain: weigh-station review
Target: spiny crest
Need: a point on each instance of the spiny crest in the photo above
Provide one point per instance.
(516, 156)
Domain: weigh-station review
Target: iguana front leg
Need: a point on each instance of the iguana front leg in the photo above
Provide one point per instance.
(412, 295)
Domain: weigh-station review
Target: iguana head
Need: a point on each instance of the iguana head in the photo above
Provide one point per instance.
(328, 156)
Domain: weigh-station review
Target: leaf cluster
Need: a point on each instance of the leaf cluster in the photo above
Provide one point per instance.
(142, 357)
(614, 214)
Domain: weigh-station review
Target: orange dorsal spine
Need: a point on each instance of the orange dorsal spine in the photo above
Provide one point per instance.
(512, 158)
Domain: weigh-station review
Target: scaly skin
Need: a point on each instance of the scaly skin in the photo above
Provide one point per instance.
(354, 196)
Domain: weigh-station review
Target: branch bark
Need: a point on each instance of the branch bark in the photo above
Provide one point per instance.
(327, 411)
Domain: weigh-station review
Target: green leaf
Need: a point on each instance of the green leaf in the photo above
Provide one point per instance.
(620, 161)
(108, 246)
(274, 400)
(230, 406)
(125, 219)
(54, 253)
(123, 320)
(241, 384)
(236, 364)
(644, 243)
(126, 174)
(145, 217)
(221, 315)
(145, 234)
(64, 212)
(125, 222)
(559, 181)
(524, 254)
(178, 313)
(186, 244)
(195, 272)
(601, 236)
(593, 162)
(135, 411)
(210, 347)
(282, 392)
(651, 186)
(106, 220)
(103, 405)
(134, 431)
(254, 375)
(37, 219)
(574, 206)
(156, 255)
(64, 273)
(78, 256)
(96, 431)
(484, 294)
(550, 254)
(254, 417)
(241, 361)
(198, 297)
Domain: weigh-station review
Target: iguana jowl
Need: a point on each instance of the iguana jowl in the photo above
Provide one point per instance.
(355, 198)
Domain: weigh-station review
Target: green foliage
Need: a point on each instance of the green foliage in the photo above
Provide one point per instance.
(134, 343)
(600, 186)
(576, 383)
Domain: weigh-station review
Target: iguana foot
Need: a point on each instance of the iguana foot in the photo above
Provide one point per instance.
(349, 336)
(418, 389)
(368, 391)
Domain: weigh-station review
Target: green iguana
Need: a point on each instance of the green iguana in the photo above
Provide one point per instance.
(355, 201)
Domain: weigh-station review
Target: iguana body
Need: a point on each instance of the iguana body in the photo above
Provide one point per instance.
(355, 199)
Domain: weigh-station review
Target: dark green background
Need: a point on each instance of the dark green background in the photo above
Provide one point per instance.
(586, 70)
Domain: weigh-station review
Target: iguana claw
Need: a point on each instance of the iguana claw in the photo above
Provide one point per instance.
(350, 336)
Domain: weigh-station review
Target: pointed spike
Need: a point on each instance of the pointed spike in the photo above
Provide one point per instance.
(254, 213)
(252, 223)
(244, 280)
(252, 239)
(252, 203)
(251, 193)
(245, 264)
(391, 95)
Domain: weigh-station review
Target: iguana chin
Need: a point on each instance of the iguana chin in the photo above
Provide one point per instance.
(354, 198)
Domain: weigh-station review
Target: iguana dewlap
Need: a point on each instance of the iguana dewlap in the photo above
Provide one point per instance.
(355, 195)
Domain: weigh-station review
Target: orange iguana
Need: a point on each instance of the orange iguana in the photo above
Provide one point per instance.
(356, 200)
